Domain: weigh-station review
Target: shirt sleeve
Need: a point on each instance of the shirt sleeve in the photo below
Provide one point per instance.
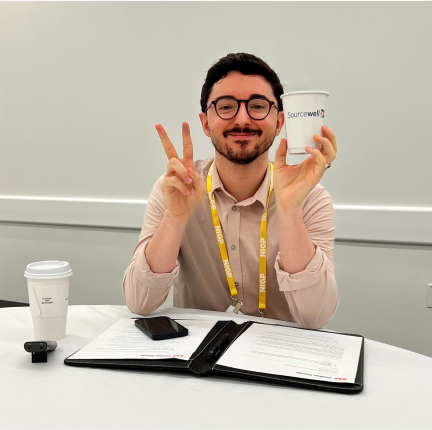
(312, 293)
(144, 290)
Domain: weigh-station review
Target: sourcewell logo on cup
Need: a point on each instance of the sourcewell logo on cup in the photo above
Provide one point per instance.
(319, 113)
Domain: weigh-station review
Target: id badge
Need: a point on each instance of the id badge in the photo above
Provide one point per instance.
(235, 309)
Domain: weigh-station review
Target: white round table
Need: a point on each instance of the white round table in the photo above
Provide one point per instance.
(397, 390)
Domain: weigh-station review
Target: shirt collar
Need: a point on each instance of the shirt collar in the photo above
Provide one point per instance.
(261, 194)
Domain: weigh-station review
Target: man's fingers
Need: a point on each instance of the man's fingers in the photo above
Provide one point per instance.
(187, 142)
(330, 136)
(317, 154)
(280, 154)
(327, 147)
(198, 182)
(166, 142)
(176, 168)
(175, 182)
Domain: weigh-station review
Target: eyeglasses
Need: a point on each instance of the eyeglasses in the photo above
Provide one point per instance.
(227, 107)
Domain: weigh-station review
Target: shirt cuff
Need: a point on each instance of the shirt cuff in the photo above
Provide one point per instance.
(151, 279)
(307, 277)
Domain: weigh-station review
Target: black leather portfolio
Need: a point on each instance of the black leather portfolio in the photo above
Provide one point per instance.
(199, 365)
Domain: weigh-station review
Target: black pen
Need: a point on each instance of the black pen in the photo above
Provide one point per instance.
(216, 350)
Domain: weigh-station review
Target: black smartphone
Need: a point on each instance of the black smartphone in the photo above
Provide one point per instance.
(159, 328)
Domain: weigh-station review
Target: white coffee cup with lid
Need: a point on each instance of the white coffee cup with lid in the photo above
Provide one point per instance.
(48, 287)
(304, 116)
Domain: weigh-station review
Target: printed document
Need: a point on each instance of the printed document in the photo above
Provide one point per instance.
(323, 356)
(124, 340)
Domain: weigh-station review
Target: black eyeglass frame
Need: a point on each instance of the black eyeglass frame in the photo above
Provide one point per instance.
(238, 106)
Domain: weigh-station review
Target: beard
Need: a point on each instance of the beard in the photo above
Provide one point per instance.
(242, 155)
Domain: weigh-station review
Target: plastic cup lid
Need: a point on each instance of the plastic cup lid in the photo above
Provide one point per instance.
(48, 270)
(294, 93)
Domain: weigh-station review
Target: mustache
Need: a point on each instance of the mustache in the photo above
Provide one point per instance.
(239, 130)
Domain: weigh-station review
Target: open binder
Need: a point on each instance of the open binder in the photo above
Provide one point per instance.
(197, 365)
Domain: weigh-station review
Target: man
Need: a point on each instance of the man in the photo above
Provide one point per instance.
(218, 231)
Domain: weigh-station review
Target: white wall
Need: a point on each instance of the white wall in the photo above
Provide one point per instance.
(83, 84)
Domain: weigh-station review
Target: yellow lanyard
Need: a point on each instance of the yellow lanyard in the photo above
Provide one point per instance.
(222, 248)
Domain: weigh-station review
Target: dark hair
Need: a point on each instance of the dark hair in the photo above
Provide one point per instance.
(247, 64)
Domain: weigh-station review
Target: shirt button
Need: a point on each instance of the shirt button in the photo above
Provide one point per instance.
(234, 208)
(236, 284)
(233, 247)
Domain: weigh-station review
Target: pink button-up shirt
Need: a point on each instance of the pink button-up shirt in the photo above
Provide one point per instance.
(308, 297)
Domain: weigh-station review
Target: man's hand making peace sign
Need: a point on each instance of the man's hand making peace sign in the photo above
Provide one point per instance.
(183, 187)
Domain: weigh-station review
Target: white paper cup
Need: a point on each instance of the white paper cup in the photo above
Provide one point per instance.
(48, 287)
(304, 117)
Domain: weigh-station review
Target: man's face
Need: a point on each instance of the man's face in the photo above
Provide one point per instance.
(242, 139)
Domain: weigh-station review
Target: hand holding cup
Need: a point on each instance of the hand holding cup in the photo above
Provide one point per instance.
(293, 183)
